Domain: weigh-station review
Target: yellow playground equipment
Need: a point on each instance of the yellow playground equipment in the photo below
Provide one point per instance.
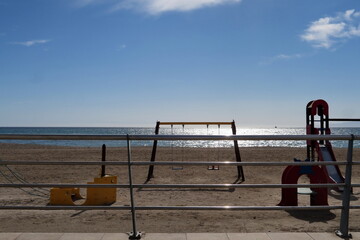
(94, 196)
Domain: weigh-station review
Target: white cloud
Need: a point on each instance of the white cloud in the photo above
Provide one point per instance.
(281, 57)
(155, 7)
(84, 3)
(285, 56)
(327, 31)
(121, 47)
(32, 42)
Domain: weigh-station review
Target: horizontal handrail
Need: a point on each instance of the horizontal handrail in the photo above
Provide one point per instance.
(346, 186)
(180, 137)
(141, 163)
(206, 208)
(345, 119)
(59, 185)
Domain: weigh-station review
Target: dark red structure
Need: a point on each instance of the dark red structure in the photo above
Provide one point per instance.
(317, 123)
(291, 175)
(317, 111)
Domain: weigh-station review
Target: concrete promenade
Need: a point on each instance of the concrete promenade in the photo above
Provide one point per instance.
(175, 236)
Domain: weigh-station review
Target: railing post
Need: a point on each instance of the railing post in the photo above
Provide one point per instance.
(343, 232)
(134, 234)
(103, 159)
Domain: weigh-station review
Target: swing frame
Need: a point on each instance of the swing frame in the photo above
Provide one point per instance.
(240, 171)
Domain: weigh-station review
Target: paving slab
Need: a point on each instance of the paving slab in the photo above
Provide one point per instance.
(207, 236)
(40, 236)
(324, 236)
(167, 236)
(355, 235)
(248, 236)
(9, 236)
(82, 236)
(115, 236)
(287, 236)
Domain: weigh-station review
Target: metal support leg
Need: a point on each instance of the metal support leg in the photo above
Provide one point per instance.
(134, 234)
(343, 232)
(103, 159)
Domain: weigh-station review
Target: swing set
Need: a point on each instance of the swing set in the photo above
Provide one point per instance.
(240, 172)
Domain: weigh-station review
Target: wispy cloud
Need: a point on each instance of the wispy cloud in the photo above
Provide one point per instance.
(121, 47)
(281, 57)
(328, 31)
(156, 7)
(84, 3)
(287, 57)
(32, 42)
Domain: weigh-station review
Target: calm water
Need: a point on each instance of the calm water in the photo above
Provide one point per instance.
(167, 130)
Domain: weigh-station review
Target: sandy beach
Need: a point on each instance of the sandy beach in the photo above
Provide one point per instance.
(164, 221)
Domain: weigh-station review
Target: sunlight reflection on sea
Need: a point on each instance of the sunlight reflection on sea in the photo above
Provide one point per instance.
(178, 130)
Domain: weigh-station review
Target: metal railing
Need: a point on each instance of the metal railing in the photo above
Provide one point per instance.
(347, 185)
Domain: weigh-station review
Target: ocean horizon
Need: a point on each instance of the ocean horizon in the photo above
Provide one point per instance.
(212, 130)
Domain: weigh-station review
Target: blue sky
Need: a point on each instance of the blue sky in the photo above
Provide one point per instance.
(133, 62)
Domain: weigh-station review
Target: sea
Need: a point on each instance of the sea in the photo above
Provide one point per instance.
(215, 130)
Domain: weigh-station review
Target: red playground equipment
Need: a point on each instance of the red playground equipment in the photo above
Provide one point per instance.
(322, 150)
(291, 175)
(317, 123)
